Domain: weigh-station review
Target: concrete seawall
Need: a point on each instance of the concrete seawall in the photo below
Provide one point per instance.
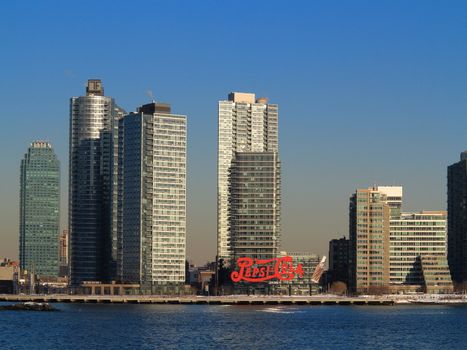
(218, 300)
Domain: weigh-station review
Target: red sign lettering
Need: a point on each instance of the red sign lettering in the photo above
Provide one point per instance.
(264, 270)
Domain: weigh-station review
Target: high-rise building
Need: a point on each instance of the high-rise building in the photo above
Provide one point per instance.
(393, 199)
(152, 198)
(388, 246)
(412, 236)
(39, 210)
(457, 221)
(93, 241)
(255, 205)
(339, 260)
(246, 124)
(369, 241)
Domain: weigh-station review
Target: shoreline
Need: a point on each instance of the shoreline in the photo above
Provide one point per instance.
(241, 299)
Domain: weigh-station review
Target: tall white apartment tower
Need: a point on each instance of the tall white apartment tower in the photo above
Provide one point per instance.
(246, 124)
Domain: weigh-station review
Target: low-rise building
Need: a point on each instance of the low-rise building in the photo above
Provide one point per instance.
(200, 278)
(9, 271)
(63, 255)
(301, 285)
(436, 275)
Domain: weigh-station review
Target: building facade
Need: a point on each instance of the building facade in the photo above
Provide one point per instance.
(152, 199)
(300, 285)
(394, 196)
(9, 273)
(436, 275)
(93, 241)
(39, 210)
(255, 205)
(245, 124)
(457, 221)
(339, 260)
(412, 236)
(369, 215)
(388, 246)
(63, 256)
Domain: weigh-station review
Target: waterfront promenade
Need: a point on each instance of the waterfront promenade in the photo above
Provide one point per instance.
(213, 300)
(322, 299)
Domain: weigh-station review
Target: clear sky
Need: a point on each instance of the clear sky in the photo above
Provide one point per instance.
(369, 92)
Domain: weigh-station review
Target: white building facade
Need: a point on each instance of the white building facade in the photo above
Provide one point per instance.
(413, 236)
(245, 124)
(152, 199)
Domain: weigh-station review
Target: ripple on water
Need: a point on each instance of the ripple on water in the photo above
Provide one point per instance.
(80, 326)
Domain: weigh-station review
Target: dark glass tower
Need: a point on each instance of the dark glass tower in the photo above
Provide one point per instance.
(93, 240)
(457, 221)
(339, 259)
(39, 210)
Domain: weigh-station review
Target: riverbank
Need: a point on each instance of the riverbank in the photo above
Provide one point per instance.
(214, 300)
(240, 299)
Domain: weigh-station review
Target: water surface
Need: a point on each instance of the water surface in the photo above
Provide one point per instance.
(97, 326)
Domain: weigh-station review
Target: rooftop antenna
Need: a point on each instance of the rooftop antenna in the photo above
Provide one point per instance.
(150, 95)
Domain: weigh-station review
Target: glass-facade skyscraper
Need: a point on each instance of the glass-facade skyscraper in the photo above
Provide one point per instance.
(39, 210)
(457, 221)
(152, 199)
(245, 124)
(93, 240)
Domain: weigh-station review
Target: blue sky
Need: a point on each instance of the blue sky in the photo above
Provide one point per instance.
(370, 92)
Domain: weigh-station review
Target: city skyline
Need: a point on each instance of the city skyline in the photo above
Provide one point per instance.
(99, 92)
(400, 118)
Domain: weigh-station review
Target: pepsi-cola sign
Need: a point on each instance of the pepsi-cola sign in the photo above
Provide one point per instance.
(256, 270)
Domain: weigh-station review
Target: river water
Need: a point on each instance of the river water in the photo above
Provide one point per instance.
(97, 326)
